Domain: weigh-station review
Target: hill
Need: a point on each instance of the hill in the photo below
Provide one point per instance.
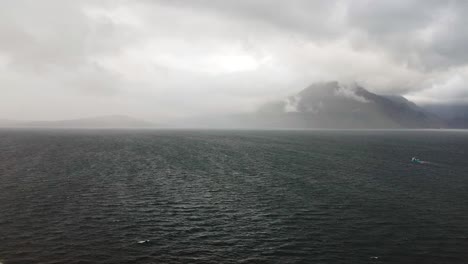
(114, 121)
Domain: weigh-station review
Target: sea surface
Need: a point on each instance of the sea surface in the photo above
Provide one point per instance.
(163, 196)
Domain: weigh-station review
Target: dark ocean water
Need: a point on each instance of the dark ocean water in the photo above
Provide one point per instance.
(233, 197)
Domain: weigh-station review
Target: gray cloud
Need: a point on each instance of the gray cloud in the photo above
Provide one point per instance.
(164, 59)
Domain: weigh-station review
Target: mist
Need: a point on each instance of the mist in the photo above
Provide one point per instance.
(161, 61)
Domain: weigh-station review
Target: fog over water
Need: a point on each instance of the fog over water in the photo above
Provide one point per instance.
(165, 60)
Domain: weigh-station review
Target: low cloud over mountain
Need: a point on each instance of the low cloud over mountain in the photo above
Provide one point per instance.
(161, 60)
(335, 106)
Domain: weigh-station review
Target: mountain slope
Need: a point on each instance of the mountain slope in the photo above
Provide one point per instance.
(456, 115)
(328, 105)
(332, 105)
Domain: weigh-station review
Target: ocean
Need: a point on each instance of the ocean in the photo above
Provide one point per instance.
(219, 196)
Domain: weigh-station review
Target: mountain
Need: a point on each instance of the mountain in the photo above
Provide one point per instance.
(8, 123)
(332, 105)
(114, 121)
(456, 115)
(328, 105)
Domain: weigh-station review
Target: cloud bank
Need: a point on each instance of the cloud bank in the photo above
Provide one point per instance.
(159, 60)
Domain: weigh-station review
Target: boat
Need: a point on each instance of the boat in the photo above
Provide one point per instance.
(416, 160)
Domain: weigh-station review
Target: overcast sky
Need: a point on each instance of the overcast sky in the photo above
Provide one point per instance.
(163, 59)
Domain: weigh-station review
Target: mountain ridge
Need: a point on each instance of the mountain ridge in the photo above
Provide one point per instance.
(107, 121)
(333, 105)
(325, 105)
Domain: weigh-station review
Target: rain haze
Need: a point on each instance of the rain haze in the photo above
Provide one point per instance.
(169, 60)
(234, 131)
